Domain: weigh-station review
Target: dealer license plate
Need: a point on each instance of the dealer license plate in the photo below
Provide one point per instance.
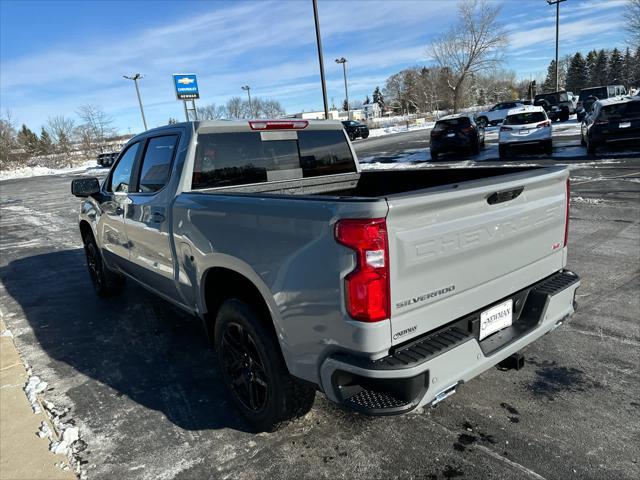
(496, 318)
(624, 124)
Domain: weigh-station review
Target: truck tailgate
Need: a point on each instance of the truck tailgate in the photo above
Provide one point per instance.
(456, 249)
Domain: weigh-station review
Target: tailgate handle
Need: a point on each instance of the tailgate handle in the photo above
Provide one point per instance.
(504, 195)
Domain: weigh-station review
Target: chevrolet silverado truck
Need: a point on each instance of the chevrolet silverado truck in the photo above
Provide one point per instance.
(385, 290)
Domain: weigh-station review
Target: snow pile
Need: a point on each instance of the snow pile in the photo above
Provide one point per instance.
(591, 201)
(379, 132)
(33, 387)
(6, 333)
(44, 430)
(69, 436)
(27, 172)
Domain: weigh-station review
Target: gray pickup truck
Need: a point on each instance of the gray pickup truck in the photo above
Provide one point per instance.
(385, 290)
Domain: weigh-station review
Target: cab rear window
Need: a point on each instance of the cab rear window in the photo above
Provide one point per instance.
(241, 158)
(525, 118)
(455, 123)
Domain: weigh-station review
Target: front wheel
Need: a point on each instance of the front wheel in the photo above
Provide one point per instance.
(254, 371)
(105, 282)
(482, 121)
(365, 135)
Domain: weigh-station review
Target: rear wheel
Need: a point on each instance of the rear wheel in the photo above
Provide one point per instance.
(475, 148)
(502, 151)
(482, 121)
(434, 155)
(591, 147)
(365, 135)
(548, 147)
(254, 371)
(352, 137)
(105, 282)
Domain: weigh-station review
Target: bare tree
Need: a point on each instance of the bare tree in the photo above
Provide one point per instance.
(235, 108)
(471, 46)
(211, 112)
(633, 21)
(7, 139)
(61, 130)
(96, 127)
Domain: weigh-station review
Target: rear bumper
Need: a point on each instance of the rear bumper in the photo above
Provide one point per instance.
(429, 367)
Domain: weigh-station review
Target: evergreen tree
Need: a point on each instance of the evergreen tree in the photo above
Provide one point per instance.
(577, 75)
(635, 79)
(45, 144)
(28, 140)
(615, 73)
(345, 105)
(591, 58)
(628, 69)
(367, 100)
(549, 84)
(378, 98)
(601, 70)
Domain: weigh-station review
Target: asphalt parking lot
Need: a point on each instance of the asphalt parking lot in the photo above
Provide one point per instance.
(141, 382)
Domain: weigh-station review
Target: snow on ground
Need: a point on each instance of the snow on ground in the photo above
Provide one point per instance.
(26, 172)
(379, 132)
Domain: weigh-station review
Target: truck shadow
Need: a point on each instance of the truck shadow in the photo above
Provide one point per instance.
(134, 345)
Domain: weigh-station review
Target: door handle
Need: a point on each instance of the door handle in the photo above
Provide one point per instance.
(157, 217)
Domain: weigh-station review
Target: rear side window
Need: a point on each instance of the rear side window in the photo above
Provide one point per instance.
(240, 158)
(156, 164)
(599, 93)
(525, 118)
(121, 176)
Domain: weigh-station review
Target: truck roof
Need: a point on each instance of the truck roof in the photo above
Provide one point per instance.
(212, 126)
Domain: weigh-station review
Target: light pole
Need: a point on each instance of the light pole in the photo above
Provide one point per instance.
(135, 79)
(343, 61)
(247, 89)
(557, 4)
(320, 59)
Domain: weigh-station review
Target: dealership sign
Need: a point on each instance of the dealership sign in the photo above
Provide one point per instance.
(186, 86)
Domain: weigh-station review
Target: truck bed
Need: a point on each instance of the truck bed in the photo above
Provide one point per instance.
(372, 184)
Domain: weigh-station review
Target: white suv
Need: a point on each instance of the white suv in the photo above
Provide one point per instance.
(528, 125)
(496, 114)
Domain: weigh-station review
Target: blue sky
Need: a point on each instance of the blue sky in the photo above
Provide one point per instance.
(57, 55)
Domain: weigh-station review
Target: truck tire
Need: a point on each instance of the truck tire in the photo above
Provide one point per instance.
(564, 115)
(105, 282)
(254, 371)
(365, 135)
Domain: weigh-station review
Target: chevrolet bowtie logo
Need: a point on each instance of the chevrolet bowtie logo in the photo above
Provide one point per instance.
(186, 80)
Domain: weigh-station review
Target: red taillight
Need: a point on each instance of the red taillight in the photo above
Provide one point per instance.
(566, 221)
(505, 129)
(546, 123)
(468, 129)
(278, 124)
(367, 286)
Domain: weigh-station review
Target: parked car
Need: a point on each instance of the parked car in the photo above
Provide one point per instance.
(455, 133)
(496, 114)
(557, 105)
(525, 126)
(106, 159)
(386, 290)
(590, 95)
(356, 129)
(615, 121)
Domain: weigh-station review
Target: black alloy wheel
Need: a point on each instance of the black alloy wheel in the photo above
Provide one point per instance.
(244, 368)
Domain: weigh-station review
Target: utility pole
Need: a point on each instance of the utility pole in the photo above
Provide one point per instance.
(135, 79)
(320, 59)
(343, 61)
(247, 89)
(557, 4)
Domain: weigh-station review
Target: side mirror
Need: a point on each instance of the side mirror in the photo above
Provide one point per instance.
(85, 187)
